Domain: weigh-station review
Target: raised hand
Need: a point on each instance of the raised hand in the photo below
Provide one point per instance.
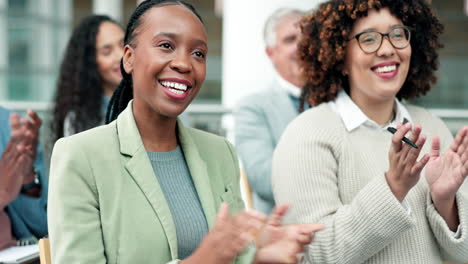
(11, 175)
(445, 174)
(460, 146)
(24, 137)
(29, 128)
(229, 236)
(405, 170)
(278, 243)
(16, 165)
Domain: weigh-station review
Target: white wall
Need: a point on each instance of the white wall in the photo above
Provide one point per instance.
(112, 8)
(42, 53)
(466, 7)
(246, 67)
(65, 16)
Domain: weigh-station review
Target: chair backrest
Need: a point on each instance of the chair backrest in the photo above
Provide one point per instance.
(44, 251)
(246, 190)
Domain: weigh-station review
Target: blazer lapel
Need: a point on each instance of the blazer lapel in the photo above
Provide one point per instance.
(199, 173)
(140, 169)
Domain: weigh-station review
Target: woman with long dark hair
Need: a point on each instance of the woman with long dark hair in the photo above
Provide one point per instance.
(89, 74)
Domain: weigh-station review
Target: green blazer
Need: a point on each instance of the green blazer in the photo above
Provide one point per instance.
(105, 203)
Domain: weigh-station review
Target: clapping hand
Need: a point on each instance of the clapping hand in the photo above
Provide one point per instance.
(405, 169)
(446, 173)
(229, 236)
(16, 165)
(25, 132)
(278, 243)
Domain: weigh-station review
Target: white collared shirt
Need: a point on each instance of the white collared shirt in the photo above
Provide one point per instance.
(288, 87)
(353, 117)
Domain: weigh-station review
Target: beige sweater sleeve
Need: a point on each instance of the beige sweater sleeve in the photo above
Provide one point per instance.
(452, 249)
(306, 165)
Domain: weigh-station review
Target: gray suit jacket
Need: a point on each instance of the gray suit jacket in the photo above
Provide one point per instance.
(260, 120)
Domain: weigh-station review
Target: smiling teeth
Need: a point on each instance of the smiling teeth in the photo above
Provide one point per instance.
(179, 86)
(388, 68)
(176, 91)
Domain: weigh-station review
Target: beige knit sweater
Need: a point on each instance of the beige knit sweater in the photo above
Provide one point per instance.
(336, 177)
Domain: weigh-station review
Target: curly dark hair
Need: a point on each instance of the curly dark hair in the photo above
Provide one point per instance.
(124, 92)
(325, 34)
(79, 85)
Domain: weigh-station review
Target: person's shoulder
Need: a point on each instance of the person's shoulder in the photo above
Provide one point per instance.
(417, 111)
(423, 116)
(206, 139)
(432, 125)
(4, 124)
(318, 123)
(4, 114)
(320, 117)
(214, 149)
(253, 98)
(3, 110)
(317, 127)
(92, 140)
(259, 97)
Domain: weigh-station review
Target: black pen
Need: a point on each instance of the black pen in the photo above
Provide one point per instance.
(406, 140)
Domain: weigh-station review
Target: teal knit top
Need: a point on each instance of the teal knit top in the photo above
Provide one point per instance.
(174, 177)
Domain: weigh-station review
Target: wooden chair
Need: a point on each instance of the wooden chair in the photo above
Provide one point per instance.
(44, 251)
(246, 190)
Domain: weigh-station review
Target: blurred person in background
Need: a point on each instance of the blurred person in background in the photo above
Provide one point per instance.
(88, 76)
(23, 180)
(382, 200)
(262, 116)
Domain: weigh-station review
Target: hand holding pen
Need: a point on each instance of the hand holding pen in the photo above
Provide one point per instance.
(404, 168)
(405, 139)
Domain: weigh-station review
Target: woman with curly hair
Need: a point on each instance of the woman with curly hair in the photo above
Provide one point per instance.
(89, 74)
(338, 165)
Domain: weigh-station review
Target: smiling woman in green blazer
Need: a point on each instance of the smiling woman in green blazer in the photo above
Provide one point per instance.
(104, 187)
(146, 189)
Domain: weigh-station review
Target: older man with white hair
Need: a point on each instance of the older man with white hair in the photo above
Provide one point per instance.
(261, 117)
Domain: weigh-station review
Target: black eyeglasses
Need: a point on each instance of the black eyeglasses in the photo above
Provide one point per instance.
(370, 40)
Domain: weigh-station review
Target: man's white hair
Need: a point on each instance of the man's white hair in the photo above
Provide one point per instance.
(275, 19)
